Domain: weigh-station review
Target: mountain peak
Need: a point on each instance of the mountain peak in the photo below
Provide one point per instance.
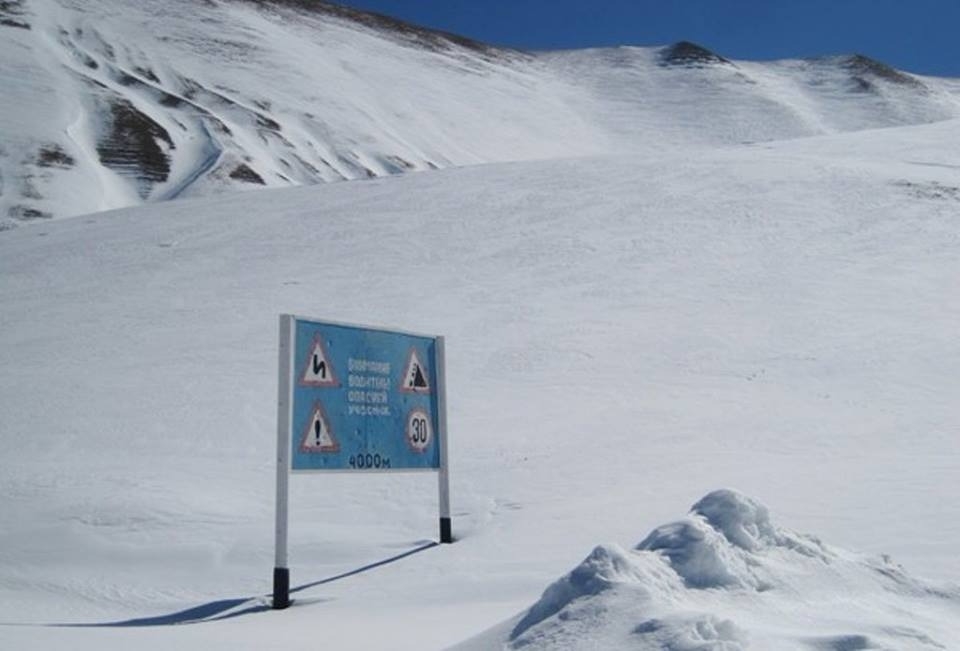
(865, 70)
(691, 55)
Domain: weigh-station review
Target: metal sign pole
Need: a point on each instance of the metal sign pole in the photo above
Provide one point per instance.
(443, 477)
(281, 573)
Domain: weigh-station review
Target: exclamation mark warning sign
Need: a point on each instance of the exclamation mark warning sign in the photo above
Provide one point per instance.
(318, 437)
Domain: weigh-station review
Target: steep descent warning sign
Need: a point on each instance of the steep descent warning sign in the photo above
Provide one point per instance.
(414, 375)
(317, 371)
(318, 437)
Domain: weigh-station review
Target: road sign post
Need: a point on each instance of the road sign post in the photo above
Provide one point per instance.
(443, 476)
(357, 399)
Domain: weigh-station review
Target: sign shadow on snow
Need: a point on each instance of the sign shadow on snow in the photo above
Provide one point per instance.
(228, 608)
(365, 568)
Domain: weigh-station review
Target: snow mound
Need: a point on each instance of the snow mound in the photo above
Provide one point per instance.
(606, 567)
(726, 578)
(742, 521)
(715, 546)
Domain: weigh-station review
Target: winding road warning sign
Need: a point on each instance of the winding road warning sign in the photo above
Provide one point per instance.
(317, 371)
(414, 378)
(318, 437)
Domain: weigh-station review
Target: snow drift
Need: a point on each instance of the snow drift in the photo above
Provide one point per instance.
(727, 578)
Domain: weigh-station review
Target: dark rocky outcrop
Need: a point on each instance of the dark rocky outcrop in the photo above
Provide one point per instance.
(690, 55)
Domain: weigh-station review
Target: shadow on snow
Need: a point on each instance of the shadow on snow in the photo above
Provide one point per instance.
(229, 608)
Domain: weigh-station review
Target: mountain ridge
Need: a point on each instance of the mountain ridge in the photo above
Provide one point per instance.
(417, 34)
(114, 103)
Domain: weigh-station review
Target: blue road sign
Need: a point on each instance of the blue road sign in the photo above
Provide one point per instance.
(363, 399)
(357, 399)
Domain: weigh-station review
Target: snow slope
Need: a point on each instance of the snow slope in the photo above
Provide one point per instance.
(625, 334)
(154, 101)
(110, 103)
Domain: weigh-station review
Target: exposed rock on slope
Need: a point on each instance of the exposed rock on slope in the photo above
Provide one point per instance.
(689, 54)
(153, 101)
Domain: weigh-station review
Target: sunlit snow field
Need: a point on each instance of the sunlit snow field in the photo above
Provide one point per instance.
(701, 333)
(624, 335)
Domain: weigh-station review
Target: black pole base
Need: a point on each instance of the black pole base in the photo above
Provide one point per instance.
(281, 588)
(446, 530)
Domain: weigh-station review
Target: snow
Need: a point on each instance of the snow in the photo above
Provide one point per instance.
(727, 578)
(624, 334)
(229, 96)
(636, 316)
(298, 97)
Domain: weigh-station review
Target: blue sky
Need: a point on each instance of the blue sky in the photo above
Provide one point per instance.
(921, 36)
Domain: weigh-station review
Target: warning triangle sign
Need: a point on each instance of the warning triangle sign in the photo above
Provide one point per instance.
(414, 378)
(317, 371)
(318, 437)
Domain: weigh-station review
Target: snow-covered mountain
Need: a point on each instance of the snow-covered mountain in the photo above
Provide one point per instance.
(110, 103)
(674, 273)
